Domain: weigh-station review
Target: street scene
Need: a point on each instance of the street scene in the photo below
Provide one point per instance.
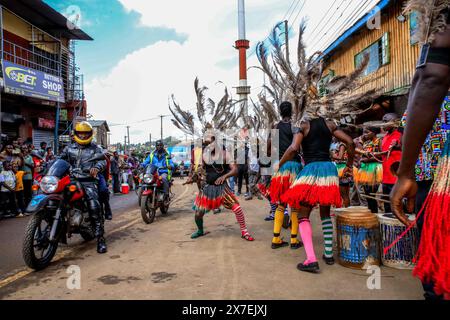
(225, 150)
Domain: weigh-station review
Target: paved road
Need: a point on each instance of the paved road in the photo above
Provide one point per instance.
(12, 232)
(160, 261)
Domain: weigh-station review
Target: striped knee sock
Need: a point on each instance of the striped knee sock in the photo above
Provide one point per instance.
(273, 208)
(240, 218)
(327, 229)
(294, 227)
(278, 224)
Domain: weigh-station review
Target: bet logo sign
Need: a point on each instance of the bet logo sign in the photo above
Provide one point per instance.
(21, 76)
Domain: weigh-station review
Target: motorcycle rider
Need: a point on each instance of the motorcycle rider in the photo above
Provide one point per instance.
(78, 155)
(160, 160)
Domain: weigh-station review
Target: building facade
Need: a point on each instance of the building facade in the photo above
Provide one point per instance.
(41, 91)
(386, 36)
(101, 132)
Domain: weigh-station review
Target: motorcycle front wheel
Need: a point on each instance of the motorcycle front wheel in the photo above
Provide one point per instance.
(38, 251)
(148, 212)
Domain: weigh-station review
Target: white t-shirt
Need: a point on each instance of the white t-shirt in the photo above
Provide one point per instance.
(9, 179)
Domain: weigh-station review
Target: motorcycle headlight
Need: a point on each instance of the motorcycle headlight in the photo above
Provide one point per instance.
(49, 184)
(148, 178)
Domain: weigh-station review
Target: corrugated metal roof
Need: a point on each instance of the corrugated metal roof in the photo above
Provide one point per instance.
(98, 123)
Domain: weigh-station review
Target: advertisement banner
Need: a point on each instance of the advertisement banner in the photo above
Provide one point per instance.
(46, 123)
(28, 82)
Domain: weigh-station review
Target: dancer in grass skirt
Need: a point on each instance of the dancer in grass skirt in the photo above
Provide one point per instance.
(317, 184)
(219, 167)
(370, 174)
(282, 180)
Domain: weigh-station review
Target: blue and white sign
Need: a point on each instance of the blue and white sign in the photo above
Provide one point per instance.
(28, 82)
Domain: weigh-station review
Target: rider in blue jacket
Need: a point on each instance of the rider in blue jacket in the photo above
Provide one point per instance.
(160, 160)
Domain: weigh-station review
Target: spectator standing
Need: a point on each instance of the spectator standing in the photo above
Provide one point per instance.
(19, 193)
(42, 152)
(49, 155)
(391, 148)
(115, 172)
(7, 190)
(27, 167)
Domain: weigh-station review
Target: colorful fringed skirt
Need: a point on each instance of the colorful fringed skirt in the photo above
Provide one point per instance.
(370, 174)
(433, 256)
(343, 181)
(283, 180)
(212, 197)
(317, 184)
(264, 186)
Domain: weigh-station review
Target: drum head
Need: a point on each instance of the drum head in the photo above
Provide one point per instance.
(365, 220)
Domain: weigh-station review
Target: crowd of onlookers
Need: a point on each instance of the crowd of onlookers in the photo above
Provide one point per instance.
(20, 163)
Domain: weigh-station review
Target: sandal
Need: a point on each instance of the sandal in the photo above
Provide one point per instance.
(248, 237)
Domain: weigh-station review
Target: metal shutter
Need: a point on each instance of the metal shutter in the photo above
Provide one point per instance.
(43, 136)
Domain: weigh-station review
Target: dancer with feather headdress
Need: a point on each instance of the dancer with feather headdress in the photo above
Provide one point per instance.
(318, 182)
(217, 164)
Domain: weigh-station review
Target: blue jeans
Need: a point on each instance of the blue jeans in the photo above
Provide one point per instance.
(232, 182)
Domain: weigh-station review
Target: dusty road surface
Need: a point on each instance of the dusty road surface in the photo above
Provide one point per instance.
(160, 261)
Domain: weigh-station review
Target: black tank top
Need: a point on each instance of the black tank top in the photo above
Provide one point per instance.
(286, 135)
(316, 145)
(214, 171)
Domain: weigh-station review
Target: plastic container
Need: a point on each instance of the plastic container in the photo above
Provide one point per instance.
(125, 188)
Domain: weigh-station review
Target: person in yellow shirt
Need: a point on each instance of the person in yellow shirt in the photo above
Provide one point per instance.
(19, 191)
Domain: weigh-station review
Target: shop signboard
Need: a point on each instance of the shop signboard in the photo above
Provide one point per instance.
(32, 83)
(46, 123)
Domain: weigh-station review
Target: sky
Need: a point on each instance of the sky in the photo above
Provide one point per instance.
(146, 50)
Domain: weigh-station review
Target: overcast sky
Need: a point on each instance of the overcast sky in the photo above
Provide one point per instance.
(145, 50)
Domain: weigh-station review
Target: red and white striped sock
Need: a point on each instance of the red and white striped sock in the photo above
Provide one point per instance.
(240, 218)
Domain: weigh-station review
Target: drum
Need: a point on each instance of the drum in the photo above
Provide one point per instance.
(358, 240)
(400, 256)
(352, 210)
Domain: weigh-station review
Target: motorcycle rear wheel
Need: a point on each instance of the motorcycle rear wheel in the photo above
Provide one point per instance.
(148, 212)
(37, 237)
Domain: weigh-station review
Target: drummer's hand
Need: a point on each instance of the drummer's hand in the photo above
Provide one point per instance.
(404, 188)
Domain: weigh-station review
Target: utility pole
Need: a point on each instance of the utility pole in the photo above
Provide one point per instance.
(128, 134)
(150, 136)
(125, 145)
(286, 34)
(162, 132)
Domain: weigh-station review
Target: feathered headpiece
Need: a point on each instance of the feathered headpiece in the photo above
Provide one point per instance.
(299, 84)
(432, 17)
(219, 116)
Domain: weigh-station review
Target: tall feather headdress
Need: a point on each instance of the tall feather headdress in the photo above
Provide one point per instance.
(432, 16)
(299, 84)
(220, 116)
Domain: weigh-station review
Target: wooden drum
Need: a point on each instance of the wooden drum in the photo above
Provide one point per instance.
(358, 239)
(401, 256)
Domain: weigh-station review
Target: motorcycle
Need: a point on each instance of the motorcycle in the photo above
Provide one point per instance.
(152, 196)
(59, 210)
